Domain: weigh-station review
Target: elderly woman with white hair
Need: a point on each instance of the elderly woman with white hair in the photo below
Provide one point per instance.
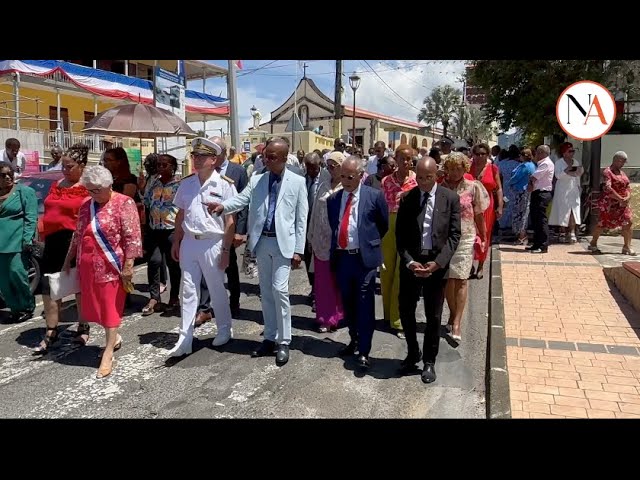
(613, 204)
(106, 242)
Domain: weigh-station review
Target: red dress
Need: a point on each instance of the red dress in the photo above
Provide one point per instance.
(488, 179)
(61, 207)
(103, 296)
(614, 214)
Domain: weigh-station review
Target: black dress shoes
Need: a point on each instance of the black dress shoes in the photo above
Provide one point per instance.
(19, 317)
(408, 365)
(282, 355)
(429, 373)
(349, 349)
(363, 361)
(266, 348)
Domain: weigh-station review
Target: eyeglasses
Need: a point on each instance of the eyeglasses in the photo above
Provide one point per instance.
(348, 177)
(571, 151)
(6, 175)
(95, 191)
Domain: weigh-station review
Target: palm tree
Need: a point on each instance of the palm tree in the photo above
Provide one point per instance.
(440, 106)
(470, 123)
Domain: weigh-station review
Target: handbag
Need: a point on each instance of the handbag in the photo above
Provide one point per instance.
(62, 285)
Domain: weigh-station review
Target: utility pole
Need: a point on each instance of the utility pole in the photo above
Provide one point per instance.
(233, 104)
(337, 123)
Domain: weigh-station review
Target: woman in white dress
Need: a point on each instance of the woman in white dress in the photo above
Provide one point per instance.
(565, 208)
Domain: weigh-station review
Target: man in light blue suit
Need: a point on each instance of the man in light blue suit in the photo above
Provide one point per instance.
(277, 224)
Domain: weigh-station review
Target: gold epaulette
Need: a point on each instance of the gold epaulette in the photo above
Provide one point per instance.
(230, 180)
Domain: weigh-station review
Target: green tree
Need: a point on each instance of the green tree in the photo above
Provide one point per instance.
(524, 93)
(471, 124)
(440, 107)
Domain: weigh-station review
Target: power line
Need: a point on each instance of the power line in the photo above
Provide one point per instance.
(387, 85)
(257, 69)
(408, 77)
(392, 69)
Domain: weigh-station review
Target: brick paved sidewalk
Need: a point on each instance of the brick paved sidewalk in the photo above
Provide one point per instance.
(573, 344)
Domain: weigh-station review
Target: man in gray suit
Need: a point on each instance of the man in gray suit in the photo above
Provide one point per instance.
(277, 225)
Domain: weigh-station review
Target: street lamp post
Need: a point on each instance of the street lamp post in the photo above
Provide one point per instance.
(354, 82)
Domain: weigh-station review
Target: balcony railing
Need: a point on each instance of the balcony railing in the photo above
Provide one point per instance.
(66, 139)
(96, 143)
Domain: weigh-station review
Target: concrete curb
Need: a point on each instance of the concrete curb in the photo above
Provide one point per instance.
(498, 395)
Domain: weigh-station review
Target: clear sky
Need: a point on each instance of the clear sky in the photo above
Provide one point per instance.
(398, 89)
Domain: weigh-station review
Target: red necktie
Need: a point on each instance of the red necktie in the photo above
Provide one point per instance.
(343, 236)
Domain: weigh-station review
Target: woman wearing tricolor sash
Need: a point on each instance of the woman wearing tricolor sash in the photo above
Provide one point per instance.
(106, 242)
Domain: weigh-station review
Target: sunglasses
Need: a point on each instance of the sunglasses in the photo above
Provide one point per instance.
(349, 177)
(6, 175)
(571, 151)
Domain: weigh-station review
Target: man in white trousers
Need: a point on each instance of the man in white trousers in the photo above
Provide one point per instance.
(277, 227)
(202, 243)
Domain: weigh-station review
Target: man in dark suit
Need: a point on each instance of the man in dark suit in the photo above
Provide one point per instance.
(359, 218)
(427, 235)
(240, 179)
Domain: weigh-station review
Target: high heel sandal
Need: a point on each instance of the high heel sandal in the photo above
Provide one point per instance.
(116, 347)
(105, 371)
(48, 341)
(83, 330)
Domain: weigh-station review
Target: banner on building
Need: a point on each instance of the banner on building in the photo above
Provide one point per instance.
(135, 159)
(169, 94)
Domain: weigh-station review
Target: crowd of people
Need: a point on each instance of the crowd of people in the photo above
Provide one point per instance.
(422, 220)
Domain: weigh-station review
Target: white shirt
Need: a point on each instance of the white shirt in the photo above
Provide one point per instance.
(223, 167)
(352, 230)
(544, 175)
(19, 163)
(427, 226)
(190, 196)
(372, 166)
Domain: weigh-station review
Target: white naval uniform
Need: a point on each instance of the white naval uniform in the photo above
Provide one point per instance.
(200, 250)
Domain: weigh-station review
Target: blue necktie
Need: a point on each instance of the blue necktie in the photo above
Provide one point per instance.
(273, 198)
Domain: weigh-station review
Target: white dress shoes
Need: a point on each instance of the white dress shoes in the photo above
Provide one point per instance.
(222, 338)
(181, 349)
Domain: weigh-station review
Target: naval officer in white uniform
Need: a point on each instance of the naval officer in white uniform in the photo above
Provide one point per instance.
(202, 243)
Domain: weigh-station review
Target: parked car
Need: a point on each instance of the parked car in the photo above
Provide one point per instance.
(41, 183)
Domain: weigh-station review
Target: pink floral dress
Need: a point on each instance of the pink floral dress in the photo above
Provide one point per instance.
(474, 199)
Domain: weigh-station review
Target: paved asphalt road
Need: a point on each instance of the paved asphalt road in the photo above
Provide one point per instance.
(227, 383)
